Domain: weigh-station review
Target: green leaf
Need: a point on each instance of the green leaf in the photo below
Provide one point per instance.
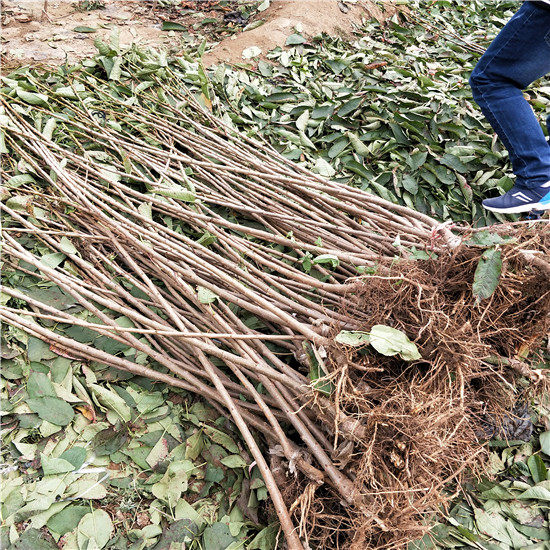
(39, 385)
(221, 439)
(67, 246)
(410, 184)
(487, 239)
(115, 74)
(108, 174)
(323, 168)
(349, 107)
(338, 147)
(487, 275)
(49, 128)
(172, 26)
(84, 29)
(316, 373)
(53, 466)
(32, 97)
(280, 97)
(541, 491)
(353, 338)
(537, 468)
(3, 148)
(322, 112)
(358, 146)
(81, 334)
(114, 39)
(94, 530)
(497, 493)
(147, 401)
(146, 210)
(33, 539)
(52, 409)
(217, 537)
(521, 512)
(194, 445)
(54, 297)
(335, 65)
(17, 181)
(174, 482)
(53, 260)
(67, 519)
(214, 474)
(178, 533)
(306, 142)
(265, 539)
(176, 192)
(493, 525)
(302, 120)
(103, 48)
(390, 341)
(250, 52)
(87, 488)
(206, 296)
(544, 441)
(75, 455)
(329, 259)
(234, 461)
(20, 203)
(454, 162)
(70, 92)
(295, 39)
(112, 401)
(357, 168)
(109, 441)
(416, 160)
(265, 68)
(158, 453)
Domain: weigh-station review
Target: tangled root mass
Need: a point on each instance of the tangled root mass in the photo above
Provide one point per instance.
(424, 422)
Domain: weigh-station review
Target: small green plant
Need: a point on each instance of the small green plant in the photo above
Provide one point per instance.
(90, 5)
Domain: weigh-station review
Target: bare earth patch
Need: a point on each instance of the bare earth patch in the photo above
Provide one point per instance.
(31, 37)
(283, 16)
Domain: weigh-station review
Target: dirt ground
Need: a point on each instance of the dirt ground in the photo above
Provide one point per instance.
(32, 36)
(284, 17)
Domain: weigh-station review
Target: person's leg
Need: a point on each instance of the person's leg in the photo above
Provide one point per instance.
(518, 56)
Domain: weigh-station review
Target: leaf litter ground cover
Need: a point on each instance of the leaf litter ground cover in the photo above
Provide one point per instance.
(108, 174)
(390, 112)
(113, 461)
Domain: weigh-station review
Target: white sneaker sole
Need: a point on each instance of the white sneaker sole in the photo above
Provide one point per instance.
(520, 209)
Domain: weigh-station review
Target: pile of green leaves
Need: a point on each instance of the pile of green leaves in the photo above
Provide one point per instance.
(390, 112)
(508, 512)
(99, 459)
(220, 19)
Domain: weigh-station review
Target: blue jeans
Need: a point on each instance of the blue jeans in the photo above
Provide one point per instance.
(518, 56)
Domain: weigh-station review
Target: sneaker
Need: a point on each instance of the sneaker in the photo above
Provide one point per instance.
(520, 199)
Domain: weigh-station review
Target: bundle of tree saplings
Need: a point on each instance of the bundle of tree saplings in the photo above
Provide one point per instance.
(353, 342)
